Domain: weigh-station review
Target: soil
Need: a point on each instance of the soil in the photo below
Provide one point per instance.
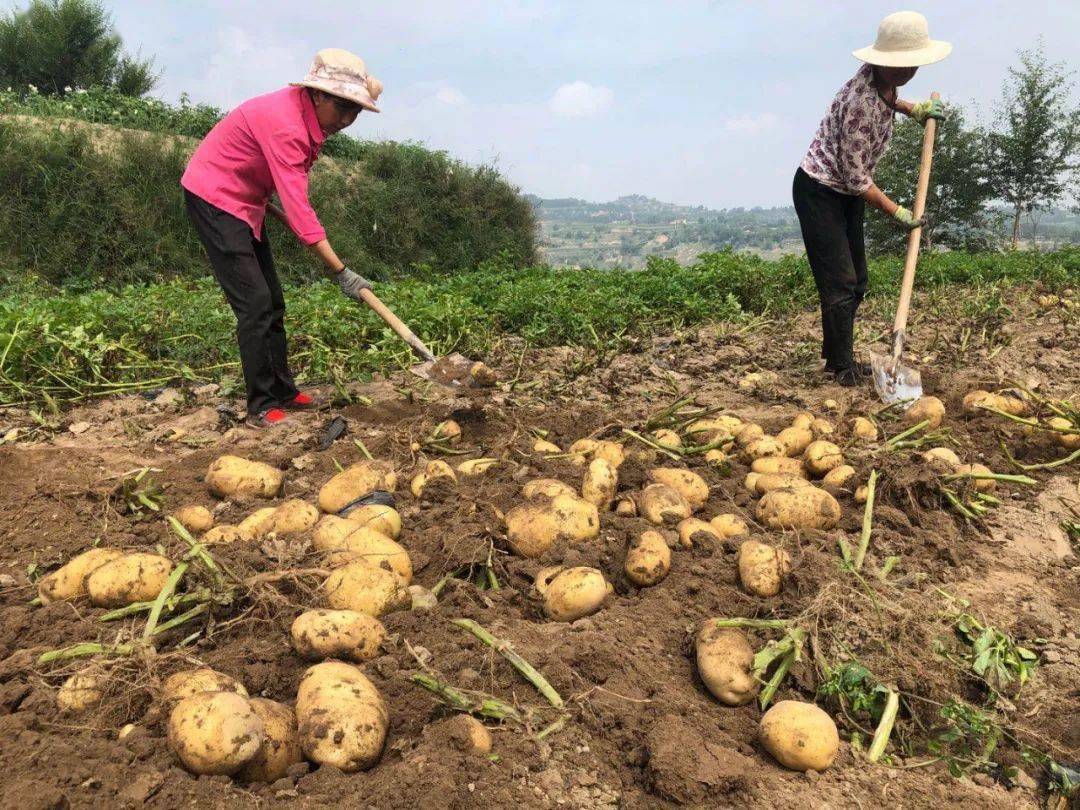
(641, 730)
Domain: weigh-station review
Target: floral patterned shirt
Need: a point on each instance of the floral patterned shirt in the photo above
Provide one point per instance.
(852, 137)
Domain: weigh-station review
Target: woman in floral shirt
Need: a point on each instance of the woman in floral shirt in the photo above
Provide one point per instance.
(836, 178)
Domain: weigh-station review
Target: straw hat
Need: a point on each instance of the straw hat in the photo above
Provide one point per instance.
(343, 74)
(903, 40)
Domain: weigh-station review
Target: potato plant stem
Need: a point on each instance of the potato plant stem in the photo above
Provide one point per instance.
(527, 670)
(456, 699)
(1009, 479)
(899, 437)
(884, 727)
(363, 449)
(558, 725)
(867, 521)
(752, 624)
(667, 451)
(85, 649)
(166, 592)
(182, 618)
(201, 595)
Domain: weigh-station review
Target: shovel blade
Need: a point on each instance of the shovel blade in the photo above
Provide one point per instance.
(454, 371)
(895, 382)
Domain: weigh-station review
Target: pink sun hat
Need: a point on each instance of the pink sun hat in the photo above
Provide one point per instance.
(343, 74)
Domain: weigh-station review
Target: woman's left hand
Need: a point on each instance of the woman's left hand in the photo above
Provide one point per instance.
(923, 110)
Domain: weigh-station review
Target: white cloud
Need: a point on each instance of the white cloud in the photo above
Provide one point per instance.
(751, 124)
(242, 67)
(451, 96)
(580, 100)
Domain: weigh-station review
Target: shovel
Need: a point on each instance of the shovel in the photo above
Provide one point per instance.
(896, 382)
(454, 370)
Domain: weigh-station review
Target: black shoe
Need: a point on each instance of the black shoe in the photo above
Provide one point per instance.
(848, 377)
(859, 369)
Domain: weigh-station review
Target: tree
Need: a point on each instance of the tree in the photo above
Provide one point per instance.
(1034, 148)
(61, 45)
(959, 193)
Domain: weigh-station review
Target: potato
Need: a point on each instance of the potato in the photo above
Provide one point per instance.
(822, 456)
(798, 508)
(929, 409)
(781, 465)
(648, 560)
(862, 494)
(627, 507)
(372, 547)
(799, 735)
(838, 477)
(258, 524)
(762, 568)
(725, 662)
(822, 428)
(467, 734)
(795, 440)
(611, 452)
(375, 516)
(716, 457)
(941, 459)
(583, 447)
(1069, 441)
(482, 375)
(546, 447)
(663, 505)
(1008, 402)
(235, 476)
(764, 447)
(343, 718)
(355, 482)
(295, 516)
(436, 470)
(748, 434)
(131, 578)
(975, 470)
(750, 482)
(476, 466)
(69, 581)
(547, 487)
(729, 526)
(707, 431)
(82, 691)
(694, 532)
(224, 533)
(280, 749)
(196, 519)
(448, 432)
(803, 420)
(366, 588)
(863, 429)
(600, 483)
(347, 634)
(572, 594)
(830, 405)
(532, 528)
(215, 732)
(767, 482)
(667, 438)
(190, 682)
(686, 482)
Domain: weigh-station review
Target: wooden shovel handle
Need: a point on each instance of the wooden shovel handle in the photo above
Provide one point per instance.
(915, 237)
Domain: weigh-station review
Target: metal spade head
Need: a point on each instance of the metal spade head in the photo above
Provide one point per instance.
(895, 382)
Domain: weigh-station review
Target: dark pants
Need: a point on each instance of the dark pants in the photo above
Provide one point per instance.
(244, 268)
(832, 229)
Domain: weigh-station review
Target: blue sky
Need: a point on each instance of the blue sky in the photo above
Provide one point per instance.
(689, 101)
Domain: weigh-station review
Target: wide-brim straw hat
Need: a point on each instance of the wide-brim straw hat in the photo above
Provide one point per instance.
(343, 74)
(903, 40)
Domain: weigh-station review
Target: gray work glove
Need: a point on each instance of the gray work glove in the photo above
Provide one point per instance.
(351, 284)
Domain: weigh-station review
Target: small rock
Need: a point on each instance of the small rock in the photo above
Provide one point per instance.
(1051, 656)
(298, 769)
(142, 787)
(303, 462)
(1024, 780)
(551, 781)
(207, 390)
(422, 598)
(7, 581)
(168, 397)
(79, 427)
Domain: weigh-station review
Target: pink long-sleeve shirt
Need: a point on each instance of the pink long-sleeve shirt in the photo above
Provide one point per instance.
(267, 144)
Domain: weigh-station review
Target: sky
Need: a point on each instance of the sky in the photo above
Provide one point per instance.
(698, 102)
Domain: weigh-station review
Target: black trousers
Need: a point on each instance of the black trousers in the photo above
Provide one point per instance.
(832, 230)
(244, 268)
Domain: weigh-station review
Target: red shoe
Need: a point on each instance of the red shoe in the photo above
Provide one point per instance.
(274, 416)
(300, 402)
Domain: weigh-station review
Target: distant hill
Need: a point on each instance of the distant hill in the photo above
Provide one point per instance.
(626, 231)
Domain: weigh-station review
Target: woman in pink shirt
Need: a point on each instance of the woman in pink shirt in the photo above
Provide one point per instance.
(835, 181)
(266, 145)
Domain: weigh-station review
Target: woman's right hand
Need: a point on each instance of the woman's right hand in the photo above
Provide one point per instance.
(351, 283)
(907, 219)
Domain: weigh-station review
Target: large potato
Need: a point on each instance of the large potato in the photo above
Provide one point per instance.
(667, 438)
(131, 578)
(611, 452)
(235, 476)
(973, 471)
(798, 508)
(795, 440)
(573, 593)
(366, 588)
(224, 533)
(343, 719)
(280, 749)
(648, 559)
(547, 487)
(767, 482)
(663, 505)
(748, 434)
(196, 519)
(1012, 403)
(799, 735)
(822, 428)
(821, 456)
(82, 691)
(69, 581)
(258, 524)
(347, 634)
(215, 732)
(838, 477)
(372, 547)
(532, 528)
(355, 482)
(929, 409)
(695, 532)
(687, 483)
(295, 516)
(762, 568)
(763, 448)
(942, 459)
(375, 516)
(779, 465)
(862, 428)
(190, 682)
(803, 420)
(725, 662)
(600, 483)
(729, 526)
